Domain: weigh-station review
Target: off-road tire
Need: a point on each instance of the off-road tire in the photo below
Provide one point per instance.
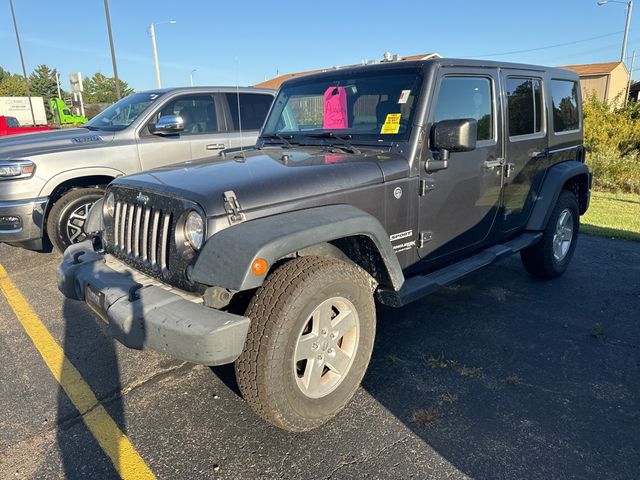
(61, 211)
(278, 312)
(539, 259)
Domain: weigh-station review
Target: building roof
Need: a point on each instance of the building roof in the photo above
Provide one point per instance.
(277, 81)
(593, 68)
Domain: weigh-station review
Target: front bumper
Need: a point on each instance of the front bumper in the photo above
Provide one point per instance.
(150, 317)
(31, 215)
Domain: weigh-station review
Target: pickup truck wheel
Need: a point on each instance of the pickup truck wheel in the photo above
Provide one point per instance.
(65, 223)
(310, 341)
(550, 257)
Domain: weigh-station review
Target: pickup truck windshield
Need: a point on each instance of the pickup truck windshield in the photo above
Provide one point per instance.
(370, 106)
(123, 113)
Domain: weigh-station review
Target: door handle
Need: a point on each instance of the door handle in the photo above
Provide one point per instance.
(498, 162)
(216, 146)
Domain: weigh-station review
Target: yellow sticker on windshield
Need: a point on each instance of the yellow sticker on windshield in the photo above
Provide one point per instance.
(391, 124)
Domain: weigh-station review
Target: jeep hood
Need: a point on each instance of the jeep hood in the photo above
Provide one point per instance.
(268, 177)
(38, 143)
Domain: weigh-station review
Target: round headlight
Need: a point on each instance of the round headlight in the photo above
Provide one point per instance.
(110, 205)
(194, 230)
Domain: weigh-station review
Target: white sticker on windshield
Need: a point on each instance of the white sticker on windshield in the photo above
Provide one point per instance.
(404, 96)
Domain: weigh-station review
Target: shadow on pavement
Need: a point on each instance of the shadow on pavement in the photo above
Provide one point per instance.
(90, 348)
(509, 377)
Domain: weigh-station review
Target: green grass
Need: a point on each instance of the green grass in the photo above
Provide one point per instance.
(613, 215)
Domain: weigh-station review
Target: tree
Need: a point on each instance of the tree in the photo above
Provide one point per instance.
(102, 89)
(13, 86)
(42, 82)
(3, 74)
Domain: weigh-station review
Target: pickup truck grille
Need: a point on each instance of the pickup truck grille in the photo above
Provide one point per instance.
(142, 233)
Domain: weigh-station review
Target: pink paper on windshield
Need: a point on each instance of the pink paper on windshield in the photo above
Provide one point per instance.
(335, 109)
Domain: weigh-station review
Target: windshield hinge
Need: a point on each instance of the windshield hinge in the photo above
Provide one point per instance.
(232, 207)
(425, 187)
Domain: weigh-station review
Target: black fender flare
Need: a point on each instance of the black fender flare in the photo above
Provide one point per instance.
(226, 258)
(555, 179)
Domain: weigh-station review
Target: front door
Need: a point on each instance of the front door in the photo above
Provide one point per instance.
(460, 203)
(198, 115)
(526, 145)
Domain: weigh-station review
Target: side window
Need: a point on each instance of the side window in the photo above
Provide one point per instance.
(525, 106)
(253, 110)
(198, 113)
(467, 97)
(564, 95)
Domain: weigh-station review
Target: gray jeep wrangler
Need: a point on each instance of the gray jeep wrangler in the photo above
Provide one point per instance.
(382, 182)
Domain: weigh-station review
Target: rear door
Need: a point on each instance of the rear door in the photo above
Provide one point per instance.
(525, 145)
(244, 127)
(459, 203)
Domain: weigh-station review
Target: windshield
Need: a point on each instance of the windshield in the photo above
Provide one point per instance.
(368, 105)
(123, 113)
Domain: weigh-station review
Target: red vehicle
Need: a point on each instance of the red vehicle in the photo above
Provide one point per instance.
(11, 126)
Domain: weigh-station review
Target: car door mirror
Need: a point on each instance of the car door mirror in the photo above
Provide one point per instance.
(168, 125)
(454, 136)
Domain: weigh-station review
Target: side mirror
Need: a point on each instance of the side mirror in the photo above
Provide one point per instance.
(168, 125)
(454, 136)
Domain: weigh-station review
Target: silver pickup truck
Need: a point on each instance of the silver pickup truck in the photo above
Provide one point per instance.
(49, 180)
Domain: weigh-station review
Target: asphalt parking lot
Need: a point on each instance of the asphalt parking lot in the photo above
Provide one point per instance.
(497, 376)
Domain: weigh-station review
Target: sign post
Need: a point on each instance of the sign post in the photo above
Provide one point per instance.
(76, 87)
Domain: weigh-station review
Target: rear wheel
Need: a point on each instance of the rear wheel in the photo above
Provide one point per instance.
(310, 342)
(65, 223)
(551, 256)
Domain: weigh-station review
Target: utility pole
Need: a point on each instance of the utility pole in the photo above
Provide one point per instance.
(191, 76)
(113, 50)
(24, 70)
(633, 61)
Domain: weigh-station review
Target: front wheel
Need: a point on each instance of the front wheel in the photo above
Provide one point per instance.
(65, 223)
(310, 341)
(550, 257)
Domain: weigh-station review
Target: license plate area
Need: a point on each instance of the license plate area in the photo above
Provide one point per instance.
(95, 299)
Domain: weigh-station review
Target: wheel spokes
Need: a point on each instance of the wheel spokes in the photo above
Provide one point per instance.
(338, 360)
(307, 346)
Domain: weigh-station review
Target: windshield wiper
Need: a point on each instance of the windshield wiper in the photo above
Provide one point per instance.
(344, 139)
(91, 127)
(276, 136)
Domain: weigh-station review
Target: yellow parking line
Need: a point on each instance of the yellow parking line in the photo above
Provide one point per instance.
(113, 441)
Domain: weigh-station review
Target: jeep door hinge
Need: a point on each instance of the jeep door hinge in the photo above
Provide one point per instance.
(425, 187)
(423, 238)
(232, 207)
(508, 169)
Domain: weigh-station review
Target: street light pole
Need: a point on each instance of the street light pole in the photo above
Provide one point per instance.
(191, 76)
(113, 50)
(629, 5)
(24, 70)
(152, 32)
(623, 55)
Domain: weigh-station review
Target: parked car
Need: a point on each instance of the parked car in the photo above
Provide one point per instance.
(11, 126)
(380, 182)
(49, 181)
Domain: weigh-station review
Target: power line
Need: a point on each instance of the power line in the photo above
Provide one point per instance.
(546, 47)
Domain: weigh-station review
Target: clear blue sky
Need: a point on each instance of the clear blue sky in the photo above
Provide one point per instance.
(288, 36)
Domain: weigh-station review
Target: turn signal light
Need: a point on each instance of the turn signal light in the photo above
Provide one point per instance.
(259, 266)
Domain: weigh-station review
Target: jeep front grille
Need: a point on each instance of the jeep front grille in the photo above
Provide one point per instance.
(142, 233)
